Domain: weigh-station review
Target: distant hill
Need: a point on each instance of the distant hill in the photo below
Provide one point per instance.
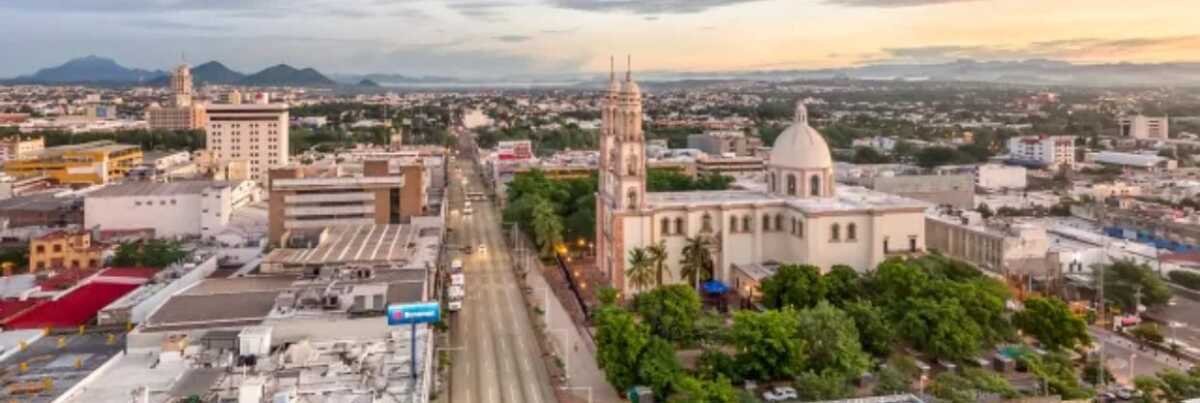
(284, 75)
(366, 82)
(215, 73)
(90, 69)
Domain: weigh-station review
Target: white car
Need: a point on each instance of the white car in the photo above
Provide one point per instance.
(780, 393)
(454, 306)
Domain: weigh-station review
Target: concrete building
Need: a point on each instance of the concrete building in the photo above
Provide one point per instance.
(944, 187)
(1144, 127)
(175, 209)
(1010, 249)
(48, 210)
(1144, 162)
(182, 113)
(879, 143)
(1101, 191)
(385, 193)
(995, 177)
(65, 250)
(17, 147)
(797, 215)
(1043, 151)
(256, 133)
(724, 142)
(94, 163)
(731, 166)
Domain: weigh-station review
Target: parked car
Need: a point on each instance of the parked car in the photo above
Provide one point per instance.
(482, 248)
(780, 393)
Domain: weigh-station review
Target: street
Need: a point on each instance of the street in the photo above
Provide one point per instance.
(495, 353)
(1126, 361)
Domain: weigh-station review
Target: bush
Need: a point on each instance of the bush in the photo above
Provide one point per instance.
(1187, 279)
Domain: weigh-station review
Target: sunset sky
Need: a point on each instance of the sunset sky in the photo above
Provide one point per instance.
(483, 38)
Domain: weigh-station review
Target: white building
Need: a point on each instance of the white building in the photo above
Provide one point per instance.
(1148, 162)
(797, 216)
(255, 133)
(190, 208)
(1043, 151)
(998, 177)
(880, 143)
(1144, 127)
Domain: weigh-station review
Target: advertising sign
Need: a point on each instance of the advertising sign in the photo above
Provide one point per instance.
(411, 314)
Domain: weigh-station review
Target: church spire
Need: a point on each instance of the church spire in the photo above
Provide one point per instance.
(801, 112)
(612, 68)
(628, 67)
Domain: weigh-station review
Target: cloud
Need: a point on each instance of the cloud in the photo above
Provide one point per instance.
(1074, 49)
(647, 6)
(487, 10)
(512, 38)
(169, 25)
(892, 3)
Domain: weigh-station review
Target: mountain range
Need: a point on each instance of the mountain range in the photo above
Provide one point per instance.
(100, 70)
(104, 71)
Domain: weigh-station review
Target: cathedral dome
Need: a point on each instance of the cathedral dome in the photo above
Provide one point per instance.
(800, 146)
(631, 87)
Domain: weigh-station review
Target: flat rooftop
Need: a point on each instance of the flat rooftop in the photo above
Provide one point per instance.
(848, 198)
(133, 189)
(368, 243)
(38, 202)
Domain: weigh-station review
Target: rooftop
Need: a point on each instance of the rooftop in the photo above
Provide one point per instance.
(147, 189)
(368, 243)
(849, 198)
(43, 202)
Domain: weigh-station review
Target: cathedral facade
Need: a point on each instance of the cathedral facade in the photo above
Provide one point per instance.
(797, 214)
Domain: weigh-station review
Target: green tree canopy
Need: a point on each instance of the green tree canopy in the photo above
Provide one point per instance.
(1127, 282)
(874, 332)
(842, 284)
(1051, 321)
(670, 311)
(694, 390)
(796, 286)
(831, 342)
(767, 344)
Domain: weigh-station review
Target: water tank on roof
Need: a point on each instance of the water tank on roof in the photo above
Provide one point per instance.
(255, 341)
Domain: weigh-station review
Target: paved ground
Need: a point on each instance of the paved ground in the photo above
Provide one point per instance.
(46, 360)
(496, 358)
(1125, 360)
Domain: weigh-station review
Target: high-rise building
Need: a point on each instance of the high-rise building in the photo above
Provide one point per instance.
(182, 113)
(1043, 151)
(256, 133)
(1144, 127)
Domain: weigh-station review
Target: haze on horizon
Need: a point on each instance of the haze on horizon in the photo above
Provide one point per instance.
(487, 38)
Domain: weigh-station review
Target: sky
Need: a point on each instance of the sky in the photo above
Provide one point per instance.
(494, 38)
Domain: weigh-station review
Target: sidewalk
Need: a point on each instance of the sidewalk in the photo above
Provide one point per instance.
(584, 376)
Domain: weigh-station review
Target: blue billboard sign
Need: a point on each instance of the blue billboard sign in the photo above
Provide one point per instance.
(411, 314)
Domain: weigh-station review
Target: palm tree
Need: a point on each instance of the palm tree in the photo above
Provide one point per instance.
(547, 226)
(658, 256)
(640, 272)
(696, 262)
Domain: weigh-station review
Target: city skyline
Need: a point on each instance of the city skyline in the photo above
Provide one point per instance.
(490, 38)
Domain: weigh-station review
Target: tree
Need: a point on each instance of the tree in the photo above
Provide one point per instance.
(694, 390)
(797, 286)
(842, 285)
(828, 385)
(1175, 386)
(868, 155)
(985, 211)
(619, 343)
(1126, 283)
(641, 271)
(941, 328)
(714, 364)
(1147, 333)
(1052, 322)
(892, 381)
(658, 257)
(937, 156)
(547, 226)
(607, 296)
(670, 311)
(831, 342)
(767, 344)
(657, 366)
(874, 332)
(1057, 373)
(696, 262)
(127, 255)
(967, 387)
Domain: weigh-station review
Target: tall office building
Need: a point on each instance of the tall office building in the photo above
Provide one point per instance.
(1144, 127)
(182, 113)
(1043, 151)
(253, 133)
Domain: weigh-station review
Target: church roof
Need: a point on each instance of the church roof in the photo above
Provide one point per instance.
(800, 146)
(847, 198)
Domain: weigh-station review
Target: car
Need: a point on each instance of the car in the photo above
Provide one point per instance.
(482, 248)
(1126, 394)
(454, 306)
(781, 393)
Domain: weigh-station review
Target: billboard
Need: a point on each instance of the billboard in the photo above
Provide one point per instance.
(515, 150)
(411, 314)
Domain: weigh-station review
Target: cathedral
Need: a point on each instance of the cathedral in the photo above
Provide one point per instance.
(796, 214)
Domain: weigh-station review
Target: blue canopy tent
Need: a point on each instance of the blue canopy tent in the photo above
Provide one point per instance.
(714, 287)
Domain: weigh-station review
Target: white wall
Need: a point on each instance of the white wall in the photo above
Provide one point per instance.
(143, 309)
(171, 215)
(993, 176)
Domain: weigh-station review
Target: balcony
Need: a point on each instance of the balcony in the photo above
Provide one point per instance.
(329, 210)
(303, 224)
(329, 198)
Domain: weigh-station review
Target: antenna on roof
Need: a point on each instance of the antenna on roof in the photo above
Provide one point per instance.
(612, 68)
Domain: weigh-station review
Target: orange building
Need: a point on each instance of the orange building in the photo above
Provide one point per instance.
(65, 249)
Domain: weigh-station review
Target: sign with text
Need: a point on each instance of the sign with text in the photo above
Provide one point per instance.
(411, 314)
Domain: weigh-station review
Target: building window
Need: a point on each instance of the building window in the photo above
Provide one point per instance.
(746, 224)
(706, 223)
(766, 223)
(665, 226)
(632, 199)
(835, 232)
(851, 232)
(779, 222)
(793, 232)
(733, 227)
(791, 185)
(912, 243)
(799, 228)
(815, 183)
(678, 226)
(885, 245)
(57, 248)
(774, 185)
(41, 249)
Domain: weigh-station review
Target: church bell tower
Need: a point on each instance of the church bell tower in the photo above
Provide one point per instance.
(622, 171)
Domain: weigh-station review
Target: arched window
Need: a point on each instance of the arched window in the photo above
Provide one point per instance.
(733, 224)
(678, 226)
(766, 223)
(814, 184)
(773, 185)
(746, 223)
(800, 228)
(664, 226)
(791, 185)
(835, 232)
(779, 222)
(706, 223)
(793, 225)
(851, 232)
(633, 198)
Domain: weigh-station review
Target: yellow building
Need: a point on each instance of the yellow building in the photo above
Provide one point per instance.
(93, 163)
(64, 249)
